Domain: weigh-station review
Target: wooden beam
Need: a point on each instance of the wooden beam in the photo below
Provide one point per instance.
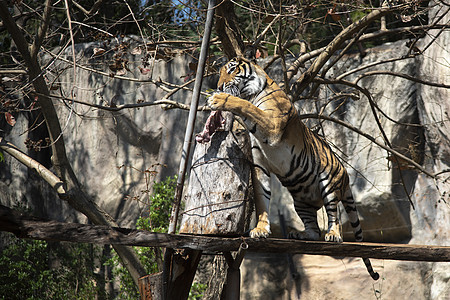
(27, 227)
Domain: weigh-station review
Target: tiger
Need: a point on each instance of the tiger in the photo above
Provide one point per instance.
(284, 146)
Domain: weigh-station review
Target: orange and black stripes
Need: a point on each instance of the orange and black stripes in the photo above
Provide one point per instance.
(282, 145)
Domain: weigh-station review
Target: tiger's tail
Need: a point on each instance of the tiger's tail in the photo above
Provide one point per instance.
(350, 208)
(373, 274)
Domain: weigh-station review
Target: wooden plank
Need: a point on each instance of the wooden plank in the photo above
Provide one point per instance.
(26, 227)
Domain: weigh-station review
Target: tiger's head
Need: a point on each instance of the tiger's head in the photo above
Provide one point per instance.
(242, 78)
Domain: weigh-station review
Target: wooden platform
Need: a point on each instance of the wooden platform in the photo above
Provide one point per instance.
(28, 227)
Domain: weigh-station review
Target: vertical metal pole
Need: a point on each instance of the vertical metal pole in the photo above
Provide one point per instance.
(192, 115)
(187, 141)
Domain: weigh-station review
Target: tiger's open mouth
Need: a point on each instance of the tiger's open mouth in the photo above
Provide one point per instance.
(215, 120)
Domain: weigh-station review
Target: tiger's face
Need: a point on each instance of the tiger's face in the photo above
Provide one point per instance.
(241, 78)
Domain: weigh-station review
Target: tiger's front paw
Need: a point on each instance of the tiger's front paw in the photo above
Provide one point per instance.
(262, 229)
(259, 233)
(217, 101)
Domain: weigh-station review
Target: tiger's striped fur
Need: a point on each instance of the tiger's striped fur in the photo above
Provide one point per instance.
(281, 144)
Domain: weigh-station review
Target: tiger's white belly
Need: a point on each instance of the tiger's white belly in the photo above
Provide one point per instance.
(277, 160)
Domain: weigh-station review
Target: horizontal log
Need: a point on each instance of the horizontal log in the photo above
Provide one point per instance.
(26, 227)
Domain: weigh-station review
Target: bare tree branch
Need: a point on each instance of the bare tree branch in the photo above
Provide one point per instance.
(402, 75)
(293, 69)
(93, 9)
(263, 33)
(333, 46)
(13, 71)
(42, 29)
(165, 104)
(370, 138)
(360, 68)
(228, 30)
(42, 171)
(72, 41)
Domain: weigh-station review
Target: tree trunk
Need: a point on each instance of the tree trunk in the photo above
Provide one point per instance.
(217, 280)
(227, 29)
(218, 197)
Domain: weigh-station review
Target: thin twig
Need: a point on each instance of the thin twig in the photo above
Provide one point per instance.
(406, 76)
(263, 33)
(42, 29)
(373, 106)
(370, 138)
(148, 80)
(165, 104)
(360, 68)
(69, 19)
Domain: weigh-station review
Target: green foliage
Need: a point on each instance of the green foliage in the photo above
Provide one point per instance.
(127, 288)
(197, 291)
(160, 205)
(157, 220)
(40, 270)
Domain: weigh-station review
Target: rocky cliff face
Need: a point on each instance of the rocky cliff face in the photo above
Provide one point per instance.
(116, 155)
(111, 152)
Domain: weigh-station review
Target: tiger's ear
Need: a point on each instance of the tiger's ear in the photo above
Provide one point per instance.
(251, 53)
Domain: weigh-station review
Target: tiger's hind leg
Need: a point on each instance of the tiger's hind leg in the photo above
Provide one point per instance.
(308, 215)
(331, 201)
(350, 208)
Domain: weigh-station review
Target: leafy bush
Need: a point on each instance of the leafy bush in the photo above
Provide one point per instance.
(159, 206)
(197, 291)
(157, 220)
(40, 270)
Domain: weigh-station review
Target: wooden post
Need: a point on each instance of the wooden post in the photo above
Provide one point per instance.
(184, 265)
(217, 200)
(233, 285)
(150, 287)
(218, 197)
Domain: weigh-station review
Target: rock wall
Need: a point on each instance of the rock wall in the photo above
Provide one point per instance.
(116, 155)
